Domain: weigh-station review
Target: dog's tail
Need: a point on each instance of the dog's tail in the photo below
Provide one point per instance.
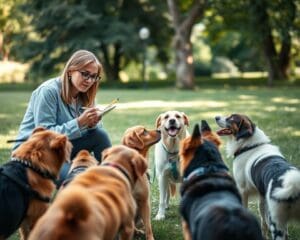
(172, 189)
(76, 206)
(290, 189)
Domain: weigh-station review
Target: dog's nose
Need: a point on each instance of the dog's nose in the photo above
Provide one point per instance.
(172, 121)
(217, 118)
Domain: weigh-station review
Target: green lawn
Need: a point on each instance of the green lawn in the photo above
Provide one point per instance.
(275, 110)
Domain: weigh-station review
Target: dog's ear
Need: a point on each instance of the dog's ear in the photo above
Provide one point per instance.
(133, 141)
(140, 165)
(246, 129)
(185, 119)
(105, 153)
(196, 132)
(205, 127)
(58, 142)
(38, 129)
(158, 121)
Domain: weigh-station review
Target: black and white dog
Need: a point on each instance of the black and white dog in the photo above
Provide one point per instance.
(260, 168)
(211, 205)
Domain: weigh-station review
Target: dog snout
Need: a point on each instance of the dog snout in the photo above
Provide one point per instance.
(172, 121)
(218, 118)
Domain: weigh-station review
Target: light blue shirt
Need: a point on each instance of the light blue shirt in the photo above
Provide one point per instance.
(46, 108)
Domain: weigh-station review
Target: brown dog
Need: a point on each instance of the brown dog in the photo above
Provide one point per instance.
(141, 139)
(27, 182)
(80, 163)
(98, 203)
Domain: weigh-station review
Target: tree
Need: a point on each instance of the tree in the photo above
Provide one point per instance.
(108, 28)
(269, 24)
(9, 26)
(184, 16)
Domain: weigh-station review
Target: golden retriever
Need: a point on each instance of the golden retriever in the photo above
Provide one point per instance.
(98, 203)
(141, 139)
(28, 180)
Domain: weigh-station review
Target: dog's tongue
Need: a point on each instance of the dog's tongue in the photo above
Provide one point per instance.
(172, 132)
(224, 132)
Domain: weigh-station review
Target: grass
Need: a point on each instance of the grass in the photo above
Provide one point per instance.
(275, 110)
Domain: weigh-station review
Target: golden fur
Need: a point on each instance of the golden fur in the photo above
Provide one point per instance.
(82, 159)
(45, 150)
(141, 139)
(98, 203)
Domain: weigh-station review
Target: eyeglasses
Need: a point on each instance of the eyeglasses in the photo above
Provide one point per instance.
(86, 76)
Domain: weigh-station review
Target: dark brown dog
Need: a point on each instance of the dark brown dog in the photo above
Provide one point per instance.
(98, 203)
(141, 139)
(28, 181)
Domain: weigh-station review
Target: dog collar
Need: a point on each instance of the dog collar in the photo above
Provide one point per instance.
(43, 173)
(120, 168)
(205, 170)
(171, 153)
(245, 149)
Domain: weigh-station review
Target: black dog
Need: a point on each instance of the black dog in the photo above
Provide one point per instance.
(211, 204)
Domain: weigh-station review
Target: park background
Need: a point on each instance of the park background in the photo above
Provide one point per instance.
(203, 57)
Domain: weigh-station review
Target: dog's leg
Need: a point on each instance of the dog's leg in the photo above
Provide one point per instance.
(186, 230)
(278, 229)
(163, 191)
(146, 214)
(244, 198)
(263, 216)
(127, 232)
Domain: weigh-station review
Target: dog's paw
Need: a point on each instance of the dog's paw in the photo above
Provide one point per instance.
(160, 216)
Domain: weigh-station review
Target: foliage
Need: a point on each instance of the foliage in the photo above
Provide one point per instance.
(108, 28)
(266, 27)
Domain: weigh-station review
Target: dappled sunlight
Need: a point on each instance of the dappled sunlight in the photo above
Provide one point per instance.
(285, 100)
(295, 133)
(171, 104)
(3, 116)
(247, 97)
(270, 108)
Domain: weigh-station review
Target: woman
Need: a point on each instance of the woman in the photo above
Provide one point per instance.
(58, 104)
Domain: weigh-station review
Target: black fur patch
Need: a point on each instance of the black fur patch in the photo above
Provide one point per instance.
(270, 168)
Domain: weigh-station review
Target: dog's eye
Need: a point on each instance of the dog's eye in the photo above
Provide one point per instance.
(166, 117)
(145, 132)
(177, 116)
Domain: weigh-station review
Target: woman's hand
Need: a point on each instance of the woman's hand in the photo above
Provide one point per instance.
(90, 117)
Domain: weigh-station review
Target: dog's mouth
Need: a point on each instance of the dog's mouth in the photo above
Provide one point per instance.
(172, 131)
(224, 132)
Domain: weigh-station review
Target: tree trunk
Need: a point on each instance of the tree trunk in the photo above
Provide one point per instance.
(184, 62)
(182, 41)
(111, 69)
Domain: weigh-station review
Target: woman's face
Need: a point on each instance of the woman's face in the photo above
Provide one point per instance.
(84, 78)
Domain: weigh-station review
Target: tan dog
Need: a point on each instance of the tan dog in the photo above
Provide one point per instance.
(141, 139)
(173, 126)
(80, 163)
(28, 180)
(98, 203)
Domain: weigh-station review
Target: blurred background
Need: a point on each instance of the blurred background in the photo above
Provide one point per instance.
(147, 43)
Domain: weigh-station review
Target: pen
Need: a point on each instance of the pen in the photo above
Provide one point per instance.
(109, 105)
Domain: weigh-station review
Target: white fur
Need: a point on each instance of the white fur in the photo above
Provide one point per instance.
(279, 212)
(163, 148)
(291, 185)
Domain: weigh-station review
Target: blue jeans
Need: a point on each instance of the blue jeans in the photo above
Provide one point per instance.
(95, 141)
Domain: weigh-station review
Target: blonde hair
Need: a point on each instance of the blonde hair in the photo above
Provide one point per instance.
(78, 61)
